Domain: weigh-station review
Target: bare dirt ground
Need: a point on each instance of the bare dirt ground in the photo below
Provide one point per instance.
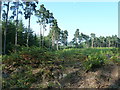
(104, 77)
(75, 77)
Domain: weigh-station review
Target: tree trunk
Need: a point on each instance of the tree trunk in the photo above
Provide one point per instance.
(87, 44)
(1, 30)
(16, 25)
(0, 8)
(103, 44)
(53, 42)
(43, 36)
(53, 39)
(40, 36)
(57, 39)
(5, 40)
(109, 44)
(116, 44)
(49, 37)
(43, 41)
(6, 27)
(76, 40)
(92, 43)
(28, 32)
(57, 44)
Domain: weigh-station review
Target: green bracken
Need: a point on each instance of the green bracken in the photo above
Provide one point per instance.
(19, 66)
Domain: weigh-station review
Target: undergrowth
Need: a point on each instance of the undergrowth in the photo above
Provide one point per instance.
(18, 68)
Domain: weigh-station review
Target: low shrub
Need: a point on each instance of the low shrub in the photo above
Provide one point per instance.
(94, 61)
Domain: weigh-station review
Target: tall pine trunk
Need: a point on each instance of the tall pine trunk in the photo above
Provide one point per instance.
(28, 32)
(6, 27)
(49, 37)
(0, 31)
(16, 34)
(57, 45)
(43, 41)
(53, 39)
(42, 34)
(40, 44)
(109, 43)
(92, 43)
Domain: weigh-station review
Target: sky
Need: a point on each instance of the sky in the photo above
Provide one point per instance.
(100, 18)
